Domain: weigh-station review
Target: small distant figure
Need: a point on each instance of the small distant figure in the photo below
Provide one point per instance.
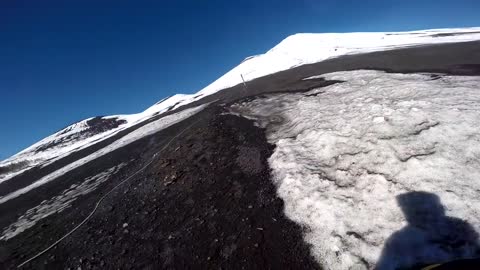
(429, 238)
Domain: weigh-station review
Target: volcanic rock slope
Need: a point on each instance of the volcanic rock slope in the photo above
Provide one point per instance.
(341, 151)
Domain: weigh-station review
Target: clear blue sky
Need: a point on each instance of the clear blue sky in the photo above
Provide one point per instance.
(63, 61)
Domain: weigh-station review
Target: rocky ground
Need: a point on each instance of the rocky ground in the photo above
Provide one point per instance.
(205, 202)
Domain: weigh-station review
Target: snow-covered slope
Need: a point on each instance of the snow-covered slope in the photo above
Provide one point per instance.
(307, 48)
(294, 51)
(72, 138)
(77, 137)
(133, 136)
(347, 157)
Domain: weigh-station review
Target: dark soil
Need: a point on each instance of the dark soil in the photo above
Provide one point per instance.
(454, 34)
(206, 202)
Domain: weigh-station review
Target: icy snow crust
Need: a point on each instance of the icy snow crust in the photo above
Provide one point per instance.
(343, 156)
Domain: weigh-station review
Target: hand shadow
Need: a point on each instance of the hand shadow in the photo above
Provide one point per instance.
(429, 238)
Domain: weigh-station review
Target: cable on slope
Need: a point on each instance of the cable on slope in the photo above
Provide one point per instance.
(103, 197)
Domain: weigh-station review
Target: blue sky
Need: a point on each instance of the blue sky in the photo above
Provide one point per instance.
(63, 61)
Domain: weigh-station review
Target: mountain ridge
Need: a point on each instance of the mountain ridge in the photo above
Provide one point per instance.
(177, 100)
(225, 169)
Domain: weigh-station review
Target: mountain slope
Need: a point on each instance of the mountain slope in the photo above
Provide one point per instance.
(295, 50)
(76, 137)
(190, 182)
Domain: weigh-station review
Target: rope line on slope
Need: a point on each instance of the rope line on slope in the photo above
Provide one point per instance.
(103, 197)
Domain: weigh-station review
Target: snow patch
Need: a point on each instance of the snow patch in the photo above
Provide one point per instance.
(70, 139)
(58, 203)
(344, 158)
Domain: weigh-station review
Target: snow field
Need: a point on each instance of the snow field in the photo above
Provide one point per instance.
(343, 156)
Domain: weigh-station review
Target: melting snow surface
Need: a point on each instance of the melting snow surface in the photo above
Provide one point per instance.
(58, 203)
(135, 135)
(348, 160)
